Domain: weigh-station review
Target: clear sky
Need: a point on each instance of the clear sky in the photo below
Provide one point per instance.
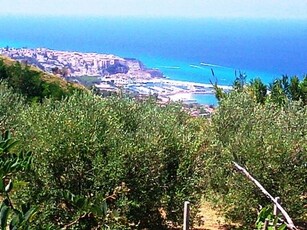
(159, 8)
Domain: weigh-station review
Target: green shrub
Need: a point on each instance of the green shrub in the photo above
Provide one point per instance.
(270, 142)
(90, 147)
(10, 165)
(10, 105)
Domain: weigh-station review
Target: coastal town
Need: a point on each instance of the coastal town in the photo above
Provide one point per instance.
(110, 73)
(77, 64)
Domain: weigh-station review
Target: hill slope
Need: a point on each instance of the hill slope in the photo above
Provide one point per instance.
(33, 83)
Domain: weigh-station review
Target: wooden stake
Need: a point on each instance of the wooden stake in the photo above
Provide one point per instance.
(277, 199)
(276, 211)
(266, 224)
(186, 216)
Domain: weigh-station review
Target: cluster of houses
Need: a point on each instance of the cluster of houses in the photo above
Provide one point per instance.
(75, 63)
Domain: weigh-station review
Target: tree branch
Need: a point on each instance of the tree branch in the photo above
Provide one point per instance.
(289, 223)
(75, 221)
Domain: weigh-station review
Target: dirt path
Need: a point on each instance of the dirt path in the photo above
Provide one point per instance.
(211, 220)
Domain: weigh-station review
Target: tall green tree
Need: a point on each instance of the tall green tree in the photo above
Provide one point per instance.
(259, 90)
(3, 73)
(240, 81)
(294, 88)
(278, 94)
(303, 90)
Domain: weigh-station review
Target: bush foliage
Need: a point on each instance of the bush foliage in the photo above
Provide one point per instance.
(118, 163)
(144, 161)
(267, 137)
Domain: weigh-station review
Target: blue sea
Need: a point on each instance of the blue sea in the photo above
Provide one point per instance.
(178, 47)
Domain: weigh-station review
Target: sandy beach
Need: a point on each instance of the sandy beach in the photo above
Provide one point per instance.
(183, 83)
(181, 97)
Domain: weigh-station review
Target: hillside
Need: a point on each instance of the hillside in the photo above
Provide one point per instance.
(34, 83)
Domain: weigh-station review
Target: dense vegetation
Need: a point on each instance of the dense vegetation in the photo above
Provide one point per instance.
(86, 162)
(33, 84)
(113, 162)
(266, 133)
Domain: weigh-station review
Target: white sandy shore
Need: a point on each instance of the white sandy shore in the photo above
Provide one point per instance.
(181, 97)
(174, 90)
(184, 83)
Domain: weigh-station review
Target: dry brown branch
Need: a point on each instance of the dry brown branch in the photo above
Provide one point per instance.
(75, 221)
(289, 223)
